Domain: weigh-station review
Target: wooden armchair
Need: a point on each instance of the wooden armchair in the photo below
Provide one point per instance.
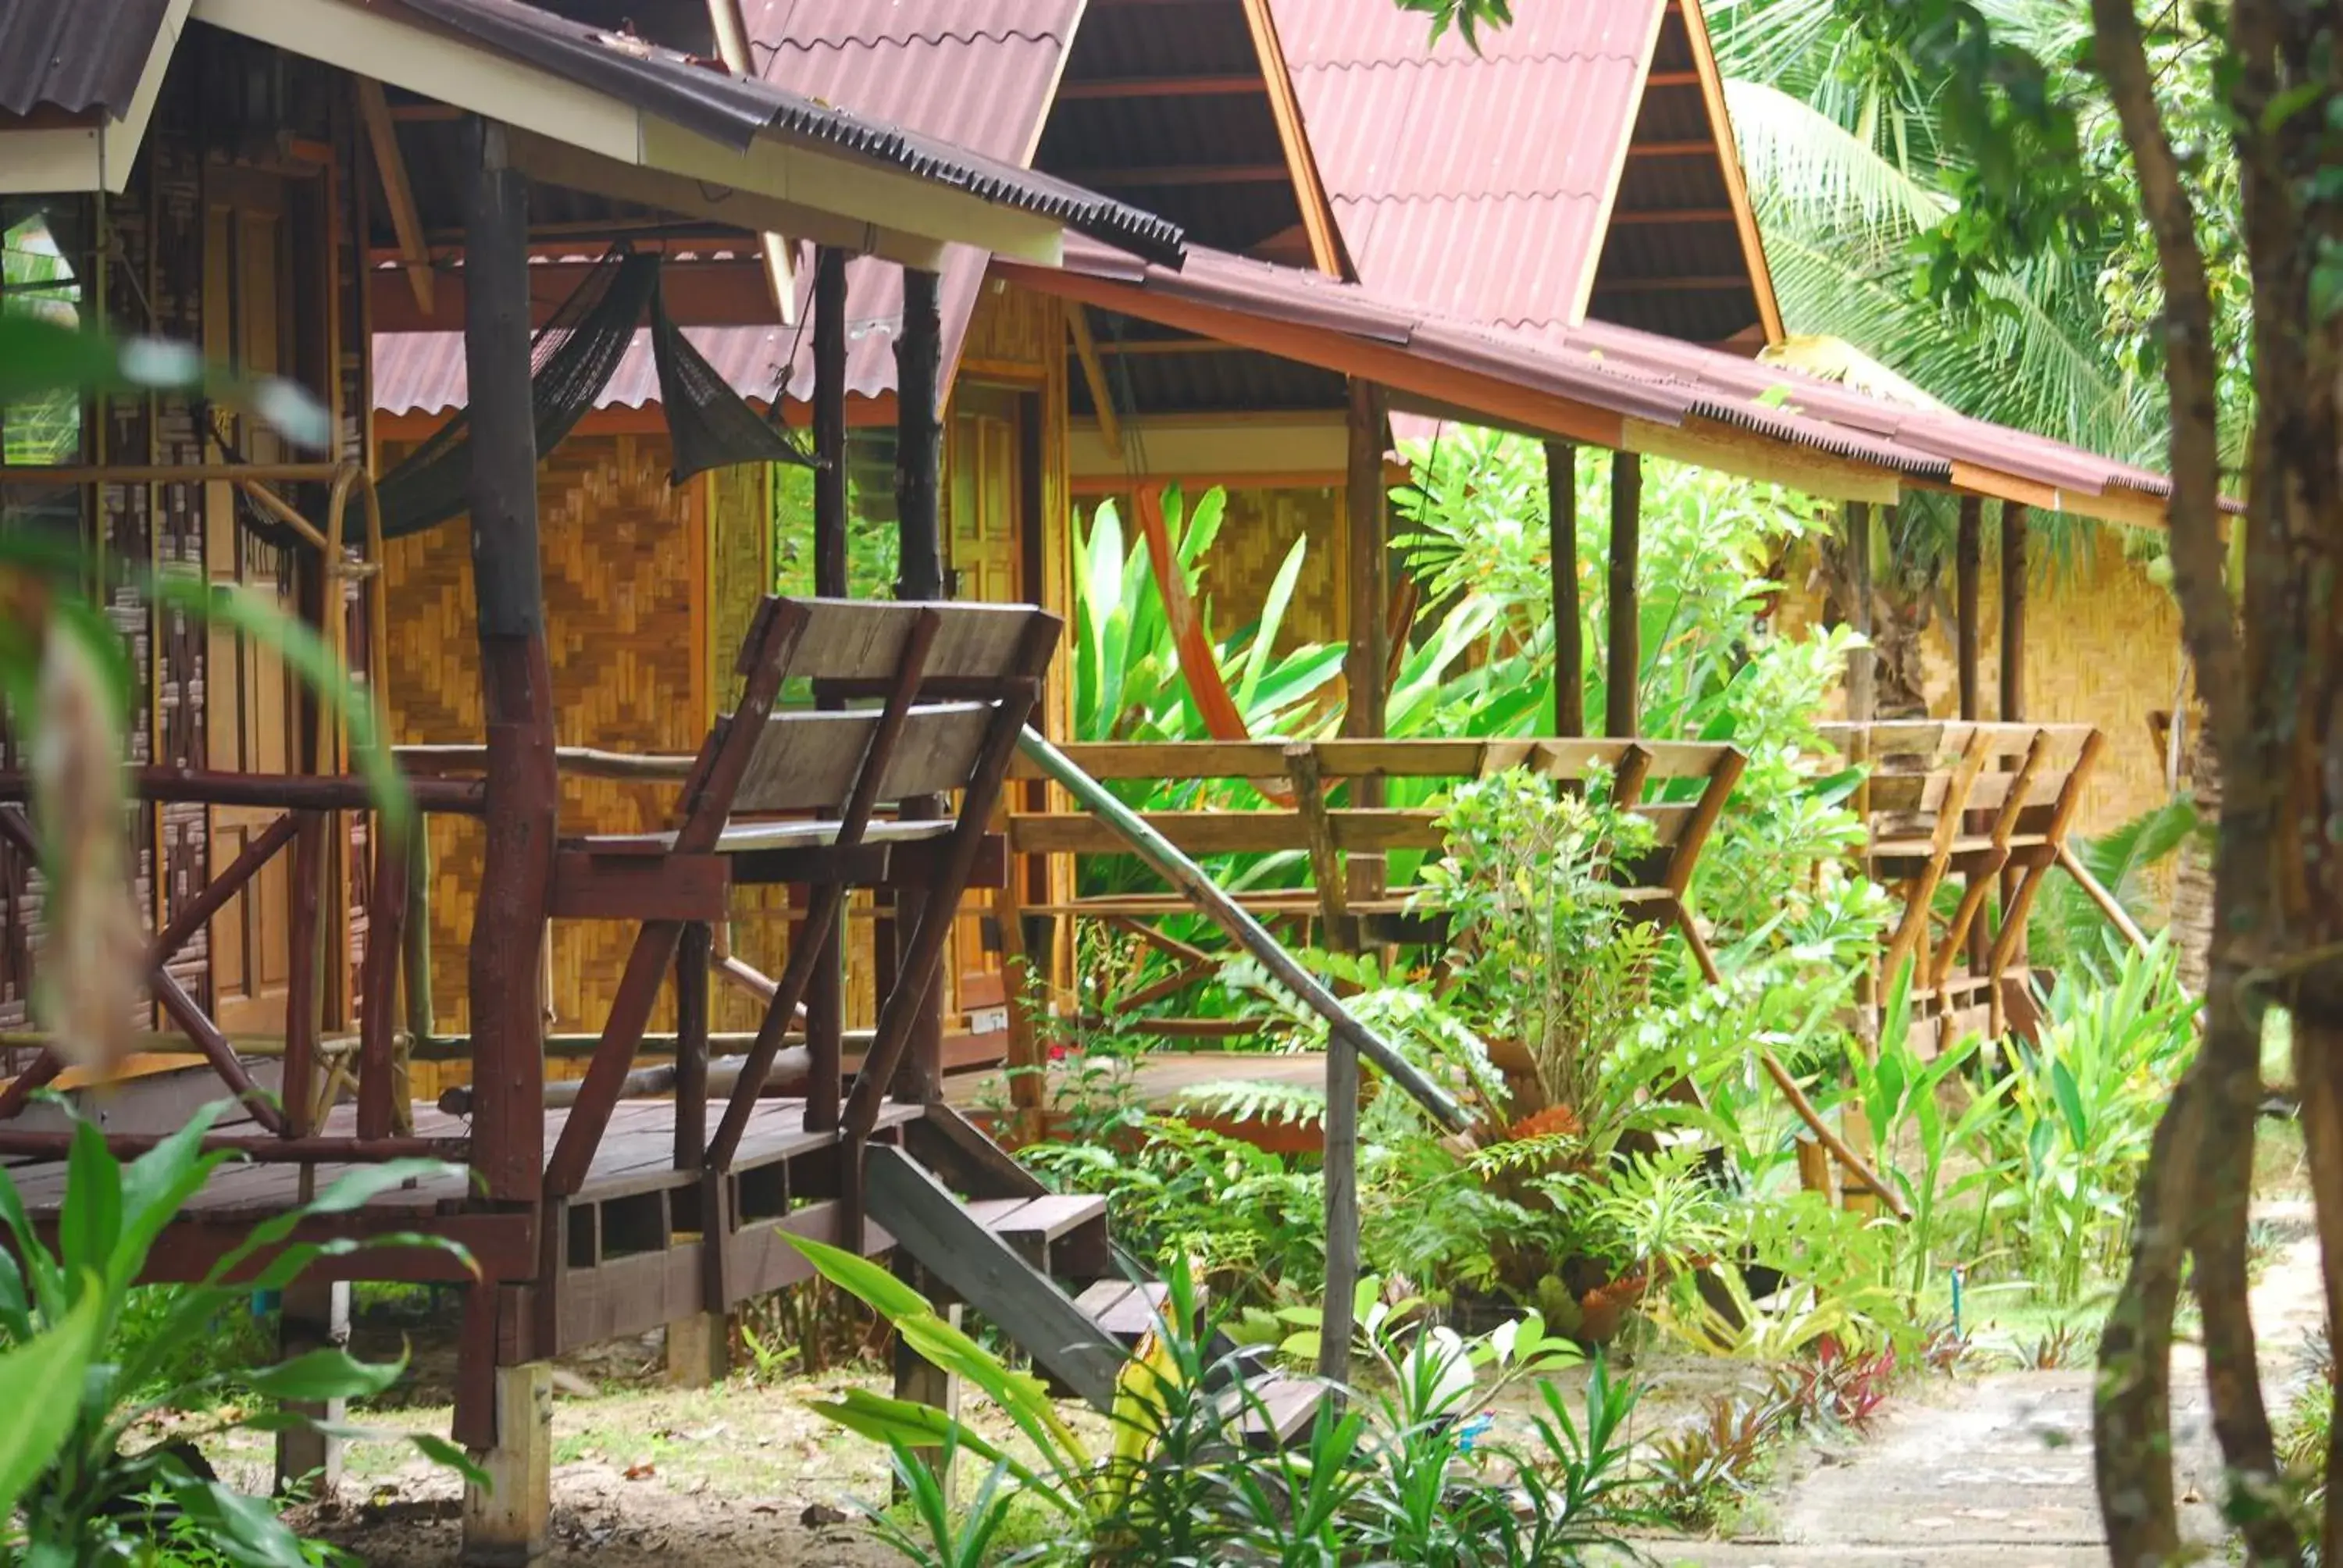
(910, 704)
(1980, 802)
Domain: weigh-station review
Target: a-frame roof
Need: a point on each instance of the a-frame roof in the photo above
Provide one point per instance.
(1580, 167)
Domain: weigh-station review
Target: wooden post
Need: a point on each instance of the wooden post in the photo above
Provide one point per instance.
(1619, 687)
(1569, 628)
(2014, 530)
(829, 520)
(919, 575)
(507, 1522)
(2012, 611)
(698, 1349)
(315, 1315)
(1968, 567)
(1862, 663)
(516, 678)
(826, 991)
(691, 964)
(919, 1381)
(1968, 561)
(1368, 670)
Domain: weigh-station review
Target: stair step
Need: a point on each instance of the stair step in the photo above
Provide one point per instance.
(1128, 1311)
(1064, 1233)
(1279, 1409)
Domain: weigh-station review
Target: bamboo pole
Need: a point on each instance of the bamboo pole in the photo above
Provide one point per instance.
(2109, 905)
(1855, 1164)
(1184, 874)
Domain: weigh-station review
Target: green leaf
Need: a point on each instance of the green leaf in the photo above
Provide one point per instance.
(91, 1219)
(155, 1186)
(36, 1380)
(324, 1374)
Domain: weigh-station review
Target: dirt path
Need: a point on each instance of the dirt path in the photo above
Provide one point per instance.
(1998, 1469)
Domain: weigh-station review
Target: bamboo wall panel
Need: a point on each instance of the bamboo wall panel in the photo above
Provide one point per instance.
(623, 583)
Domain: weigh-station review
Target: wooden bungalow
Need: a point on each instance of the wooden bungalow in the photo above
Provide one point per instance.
(1287, 132)
(225, 172)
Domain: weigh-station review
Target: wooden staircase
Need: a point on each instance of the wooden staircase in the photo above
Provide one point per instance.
(1011, 1248)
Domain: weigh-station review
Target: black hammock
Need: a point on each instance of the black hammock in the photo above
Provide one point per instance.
(571, 360)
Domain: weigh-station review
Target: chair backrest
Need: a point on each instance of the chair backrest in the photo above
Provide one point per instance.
(1920, 766)
(928, 680)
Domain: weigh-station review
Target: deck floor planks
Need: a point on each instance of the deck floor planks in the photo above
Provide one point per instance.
(640, 1145)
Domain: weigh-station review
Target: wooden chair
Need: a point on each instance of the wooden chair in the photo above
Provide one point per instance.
(1979, 802)
(793, 796)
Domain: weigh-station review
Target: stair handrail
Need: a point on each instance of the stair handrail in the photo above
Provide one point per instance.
(1249, 933)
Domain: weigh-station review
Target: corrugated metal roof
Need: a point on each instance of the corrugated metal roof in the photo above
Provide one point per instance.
(1604, 368)
(977, 73)
(84, 56)
(703, 96)
(1475, 183)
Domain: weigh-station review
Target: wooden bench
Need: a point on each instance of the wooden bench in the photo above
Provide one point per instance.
(1978, 801)
(904, 705)
(1322, 801)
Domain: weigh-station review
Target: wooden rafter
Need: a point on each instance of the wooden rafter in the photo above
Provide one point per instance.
(1241, 86)
(1180, 174)
(1729, 158)
(1285, 108)
(406, 221)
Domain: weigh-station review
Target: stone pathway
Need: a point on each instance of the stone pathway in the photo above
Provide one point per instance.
(1998, 1469)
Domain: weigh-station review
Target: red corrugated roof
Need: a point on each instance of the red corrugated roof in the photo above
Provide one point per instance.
(1604, 370)
(1475, 183)
(978, 74)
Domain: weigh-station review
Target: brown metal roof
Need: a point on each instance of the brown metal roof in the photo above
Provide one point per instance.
(84, 56)
(1589, 382)
(1486, 184)
(976, 73)
(704, 97)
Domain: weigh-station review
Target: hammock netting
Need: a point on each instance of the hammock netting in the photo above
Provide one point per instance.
(571, 360)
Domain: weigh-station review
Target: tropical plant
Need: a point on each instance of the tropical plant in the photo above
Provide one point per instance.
(63, 1305)
(1543, 953)
(2083, 1107)
(1128, 680)
(1399, 1476)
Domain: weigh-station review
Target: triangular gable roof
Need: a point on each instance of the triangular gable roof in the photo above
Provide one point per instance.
(1580, 167)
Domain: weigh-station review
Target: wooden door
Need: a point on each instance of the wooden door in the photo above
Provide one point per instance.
(985, 532)
(251, 714)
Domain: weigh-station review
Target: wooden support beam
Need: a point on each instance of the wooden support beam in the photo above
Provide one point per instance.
(516, 677)
(1624, 655)
(1569, 626)
(830, 518)
(1115, 89)
(731, 29)
(315, 1315)
(1086, 353)
(1367, 671)
(919, 367)
(405, 221)
(1862, 663)
(2014, 531)
(1968, 566)
(1692, 149)
(508, 1522)
(1689, 283)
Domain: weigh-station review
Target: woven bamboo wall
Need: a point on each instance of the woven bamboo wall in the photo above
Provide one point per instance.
(2102, 647)
(625, 574)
